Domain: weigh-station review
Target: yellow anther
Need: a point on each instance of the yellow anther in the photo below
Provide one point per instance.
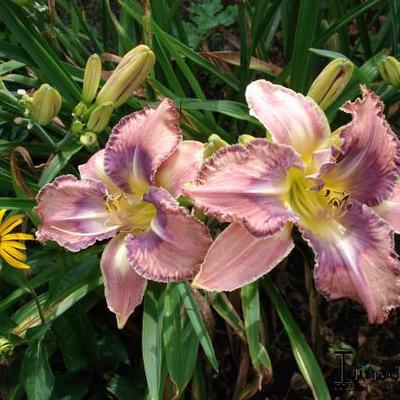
(113, 201)
(116, 204)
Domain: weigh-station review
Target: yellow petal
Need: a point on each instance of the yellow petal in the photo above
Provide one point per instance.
(18, 255)
(17, 236)
(2, 212)
(10, 223)
(16, 245)
(11, 261)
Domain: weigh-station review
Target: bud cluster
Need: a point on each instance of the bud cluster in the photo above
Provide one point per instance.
(43, 106)
(92, 114)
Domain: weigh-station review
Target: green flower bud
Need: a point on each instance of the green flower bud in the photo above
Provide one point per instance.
(77, 127)
(91, 78)
(214, 144)
(6, 347)
(89, 139)
(80, 109)
(244, 139)
(25, 101)
(389, 68)
(129, 74)
(100, 117)
(46, 104)
(331, 82)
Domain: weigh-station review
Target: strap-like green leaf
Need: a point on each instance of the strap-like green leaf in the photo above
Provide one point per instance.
(302, 352)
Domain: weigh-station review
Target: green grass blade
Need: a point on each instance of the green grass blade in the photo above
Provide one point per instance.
(252, 320)
(288, 22)
(342, 22)
(180, 342)
(394, 17)
(41, 53)
(197, 322)
(302, 352)
(12, 203)
(364, 36)
(36, 371)
(338, 10)
(135, 11)
(230, 108)
(225, 309)
(172, 334)
(307, 21)
(152, 339)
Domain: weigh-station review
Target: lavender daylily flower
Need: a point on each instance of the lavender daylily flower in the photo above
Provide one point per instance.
(127, 192)
(341, 190)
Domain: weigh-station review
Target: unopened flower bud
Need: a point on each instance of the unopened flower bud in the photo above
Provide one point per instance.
(18, 120)
(91, 78)
(214, 144)
(244, 139)
(46, 104)
(389, 68)
(100, 117)
(80, 109)
(77, 127)
(129, 74)
(6, 347)
(331, 82)
(89, 139)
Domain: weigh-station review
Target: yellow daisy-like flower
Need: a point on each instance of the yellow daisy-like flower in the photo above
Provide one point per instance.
(11, 248)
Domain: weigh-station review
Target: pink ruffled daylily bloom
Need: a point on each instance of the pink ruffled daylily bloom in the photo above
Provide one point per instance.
(342, 191)
(127, 192)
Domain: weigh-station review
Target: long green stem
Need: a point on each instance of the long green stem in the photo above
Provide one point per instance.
(36, 300)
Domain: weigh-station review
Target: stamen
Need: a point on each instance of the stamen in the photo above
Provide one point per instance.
(113, 201)
(336, 203)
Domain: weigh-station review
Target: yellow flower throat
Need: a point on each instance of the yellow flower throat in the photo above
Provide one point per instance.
(132, 215)
(314, 207)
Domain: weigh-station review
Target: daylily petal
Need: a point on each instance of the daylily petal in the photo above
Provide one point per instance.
(367, 166)
(124, 288)
(175, 245)
(247, 185)
(389, 209)
(73, 213)
(139, 144)
(355, 258)
(94, 169)
(290, 117)
(181, 167)
(237, 258)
